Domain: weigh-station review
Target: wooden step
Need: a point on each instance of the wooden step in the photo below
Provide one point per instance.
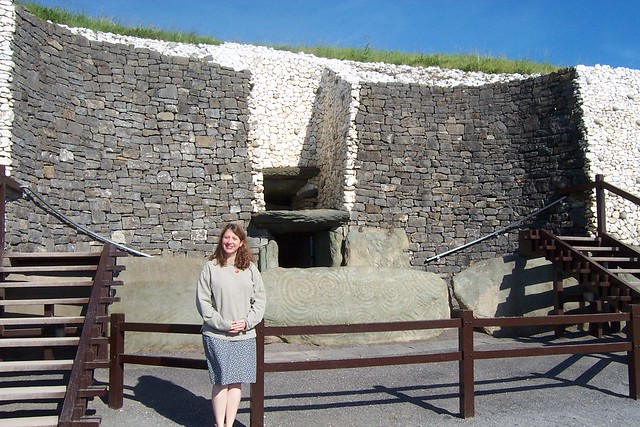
(51, 255)
(46, 421)
(46, 283)
(39, 342)
(578, 238)
(613, 259)
(41, 269)
(43, 320)
(596, 248)
(12, 394)
(45, 301)
(36, 365)
(625, 270)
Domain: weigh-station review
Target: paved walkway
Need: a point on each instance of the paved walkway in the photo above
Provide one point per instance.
(569, 390)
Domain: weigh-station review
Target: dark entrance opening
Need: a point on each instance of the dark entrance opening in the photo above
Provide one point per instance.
(283, 188)
(295, 250)
(301, 231)
(305, 249)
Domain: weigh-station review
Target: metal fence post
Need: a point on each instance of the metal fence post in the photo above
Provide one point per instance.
(116, 367)
(257, 388)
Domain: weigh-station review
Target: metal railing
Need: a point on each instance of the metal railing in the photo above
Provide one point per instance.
(465, 354)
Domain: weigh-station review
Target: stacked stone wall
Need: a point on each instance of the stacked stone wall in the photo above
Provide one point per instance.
(146, 149)
(328, 132)
(155, 144)
(451, 165)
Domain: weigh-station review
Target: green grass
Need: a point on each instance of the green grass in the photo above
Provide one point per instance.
(460, 61)
(61, 16)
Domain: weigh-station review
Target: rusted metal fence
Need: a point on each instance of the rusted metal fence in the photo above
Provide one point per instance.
(465, 354)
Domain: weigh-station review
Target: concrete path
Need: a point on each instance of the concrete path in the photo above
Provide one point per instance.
(569, 390)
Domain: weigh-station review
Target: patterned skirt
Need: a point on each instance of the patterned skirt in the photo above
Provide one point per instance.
(230, 362)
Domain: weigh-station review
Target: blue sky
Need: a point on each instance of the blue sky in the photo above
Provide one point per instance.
(562, 32)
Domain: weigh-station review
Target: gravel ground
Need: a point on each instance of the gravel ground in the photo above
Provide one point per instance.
(568, 390)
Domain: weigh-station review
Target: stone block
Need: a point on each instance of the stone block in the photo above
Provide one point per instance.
(370, 246)
(510, 286)
(352, 295)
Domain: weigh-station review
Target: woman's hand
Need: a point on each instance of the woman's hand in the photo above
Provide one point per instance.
(237, 326)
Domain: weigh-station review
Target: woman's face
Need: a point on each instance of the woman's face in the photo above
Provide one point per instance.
(230, 243)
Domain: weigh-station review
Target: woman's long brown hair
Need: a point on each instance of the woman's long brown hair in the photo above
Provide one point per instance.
(243, 256)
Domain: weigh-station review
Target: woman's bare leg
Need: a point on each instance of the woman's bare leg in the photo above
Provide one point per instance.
(234, 395)
(219, 399)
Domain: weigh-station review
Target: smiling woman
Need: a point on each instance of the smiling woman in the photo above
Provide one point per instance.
(231, 300)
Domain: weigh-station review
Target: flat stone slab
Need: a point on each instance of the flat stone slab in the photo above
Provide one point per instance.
(354, 295)
(308, 220)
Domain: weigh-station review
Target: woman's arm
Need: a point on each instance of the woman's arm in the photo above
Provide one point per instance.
(258, 298)
(204, 301)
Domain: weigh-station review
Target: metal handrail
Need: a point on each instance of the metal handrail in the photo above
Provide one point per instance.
(599, 184)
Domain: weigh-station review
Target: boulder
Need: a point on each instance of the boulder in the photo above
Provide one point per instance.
(510, 286)
(379, 247)
(348, 295)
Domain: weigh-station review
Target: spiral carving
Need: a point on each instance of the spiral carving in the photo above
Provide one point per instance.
(349, 295)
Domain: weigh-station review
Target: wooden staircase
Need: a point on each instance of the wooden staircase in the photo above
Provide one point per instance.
(53, 334)
(607, 268)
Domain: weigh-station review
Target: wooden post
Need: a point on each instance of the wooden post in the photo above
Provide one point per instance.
(465, 365)
(601, 214)
(257, 388)
(116, 368)
(558, 297)
(3, 202)
(633, 356)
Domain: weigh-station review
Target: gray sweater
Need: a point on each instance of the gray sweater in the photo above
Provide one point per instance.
(226, 294)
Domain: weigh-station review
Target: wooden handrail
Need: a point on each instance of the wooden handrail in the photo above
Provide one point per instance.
(104, 273)
(600, 185)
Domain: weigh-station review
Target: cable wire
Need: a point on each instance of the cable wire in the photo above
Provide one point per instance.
(40, 201)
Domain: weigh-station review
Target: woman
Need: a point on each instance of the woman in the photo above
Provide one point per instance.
(231, 300)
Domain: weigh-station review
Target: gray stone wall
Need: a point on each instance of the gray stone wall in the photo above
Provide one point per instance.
(146, 149)
(330, 125)
(450, 165)
(155, 144)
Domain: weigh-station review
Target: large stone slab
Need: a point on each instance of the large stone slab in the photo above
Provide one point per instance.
(307, 220)
(159, 290)
(347, 295)
(509, 286)
(380, 247)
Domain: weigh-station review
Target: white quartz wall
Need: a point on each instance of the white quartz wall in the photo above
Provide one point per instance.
(611, 114)
(7, 29)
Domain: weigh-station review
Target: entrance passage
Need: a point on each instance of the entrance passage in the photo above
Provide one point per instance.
(305, 238)
(306, 250)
